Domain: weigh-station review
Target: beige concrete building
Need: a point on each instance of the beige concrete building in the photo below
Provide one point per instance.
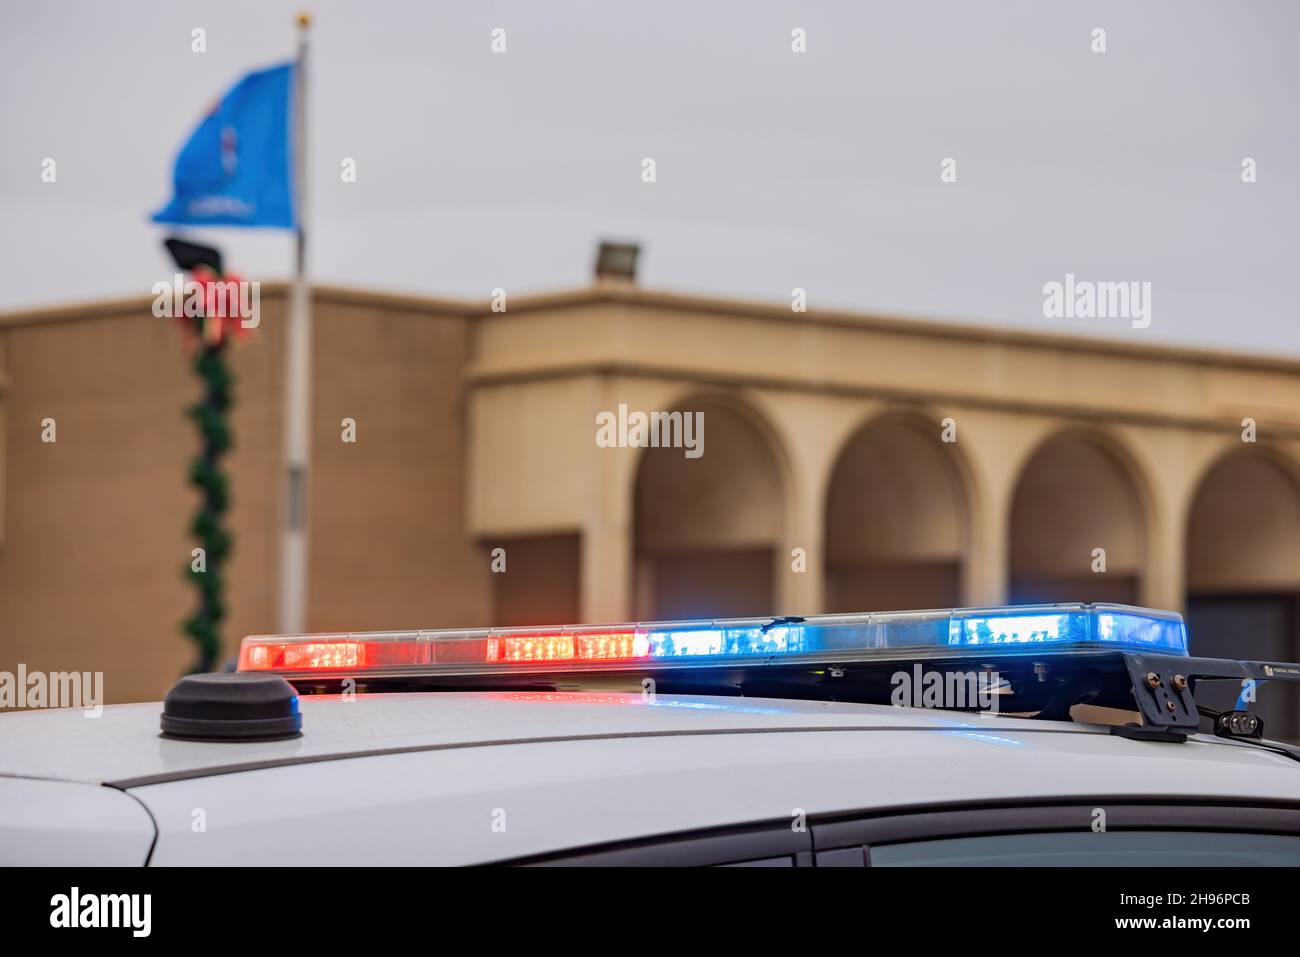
(850, 462)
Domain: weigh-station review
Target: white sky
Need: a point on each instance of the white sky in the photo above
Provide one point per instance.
(775, 170)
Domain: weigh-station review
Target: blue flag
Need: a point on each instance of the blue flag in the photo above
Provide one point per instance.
(235, 170)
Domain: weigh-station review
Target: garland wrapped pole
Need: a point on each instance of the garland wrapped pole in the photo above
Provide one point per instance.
(208, 319)
(209, 414)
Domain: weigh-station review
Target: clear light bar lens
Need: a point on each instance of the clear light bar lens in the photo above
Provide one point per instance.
(827, 638)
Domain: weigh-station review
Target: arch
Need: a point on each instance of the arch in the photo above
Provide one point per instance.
(1243, 525)
(1079, 522)
(898, 518)
(706, 530)
(1243, 574)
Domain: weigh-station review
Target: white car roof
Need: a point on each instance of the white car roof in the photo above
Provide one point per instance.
(123, 744)
(123, 747)
(417, 778)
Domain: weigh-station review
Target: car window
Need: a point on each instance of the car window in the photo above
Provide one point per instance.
(1089, 849)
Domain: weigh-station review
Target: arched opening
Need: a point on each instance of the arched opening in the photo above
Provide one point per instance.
(1243, 578)
(708, 528)
(1078, 531)
(897, 521)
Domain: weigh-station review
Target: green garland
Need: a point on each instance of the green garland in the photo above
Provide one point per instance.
(209, 414)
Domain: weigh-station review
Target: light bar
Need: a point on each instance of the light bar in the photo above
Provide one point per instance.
(826, 639)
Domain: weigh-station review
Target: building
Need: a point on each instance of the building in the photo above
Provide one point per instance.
(850, 462)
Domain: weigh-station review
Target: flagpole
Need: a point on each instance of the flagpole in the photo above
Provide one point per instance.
(297, 377)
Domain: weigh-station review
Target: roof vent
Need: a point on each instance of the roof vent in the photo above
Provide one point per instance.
(231, 706)
(616, 262)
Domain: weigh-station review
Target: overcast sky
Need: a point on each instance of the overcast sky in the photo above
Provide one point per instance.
(774, 169)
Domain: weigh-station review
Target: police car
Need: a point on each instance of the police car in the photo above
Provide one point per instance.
(1057, 735)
